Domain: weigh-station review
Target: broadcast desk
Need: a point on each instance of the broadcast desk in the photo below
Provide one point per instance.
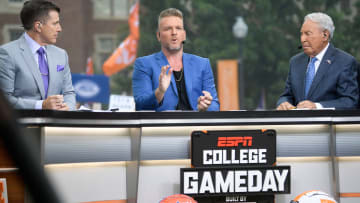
(93, 156)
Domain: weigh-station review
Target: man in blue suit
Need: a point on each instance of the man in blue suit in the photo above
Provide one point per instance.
(171, 79)
(35, 74)
(323, 76)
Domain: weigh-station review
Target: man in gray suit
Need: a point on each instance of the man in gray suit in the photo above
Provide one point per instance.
(35, 74)
(322, 76)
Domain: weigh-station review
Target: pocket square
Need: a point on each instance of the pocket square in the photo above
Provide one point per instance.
(59, 68)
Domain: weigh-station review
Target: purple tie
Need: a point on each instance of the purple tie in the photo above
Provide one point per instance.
(44, 69)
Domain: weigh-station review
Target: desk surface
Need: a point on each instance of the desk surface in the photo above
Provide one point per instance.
(137, 119)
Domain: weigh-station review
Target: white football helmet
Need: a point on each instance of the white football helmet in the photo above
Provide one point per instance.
(313, 196)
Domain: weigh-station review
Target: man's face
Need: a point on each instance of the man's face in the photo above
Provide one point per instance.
(50, 28)
(313, 38)
(171, 33)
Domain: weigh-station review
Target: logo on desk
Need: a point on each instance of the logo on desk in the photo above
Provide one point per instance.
(245, 141)
(3, 191)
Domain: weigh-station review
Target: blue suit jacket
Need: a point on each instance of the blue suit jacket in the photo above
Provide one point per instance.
(198, 77)
(334, 85)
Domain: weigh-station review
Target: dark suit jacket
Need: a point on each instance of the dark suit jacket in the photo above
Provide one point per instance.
(20, 77)
(198, 77)
(335, 83)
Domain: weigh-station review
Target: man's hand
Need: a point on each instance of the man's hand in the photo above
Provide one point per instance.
(285, 106)
(204, 101)
(306, 105)
(164, 82)
(64, 107)
(165, 78)
(54, 102)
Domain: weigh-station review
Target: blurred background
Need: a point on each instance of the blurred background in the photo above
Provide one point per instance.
(269, 36)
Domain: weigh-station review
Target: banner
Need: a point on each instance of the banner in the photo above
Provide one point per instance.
(91, 88)
(89, 66)
(125, 54)
(3, 191)
(228, 84)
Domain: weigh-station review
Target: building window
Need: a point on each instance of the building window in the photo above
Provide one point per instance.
(12, 32)
(11, 6)
(111, 9)
(105, 45)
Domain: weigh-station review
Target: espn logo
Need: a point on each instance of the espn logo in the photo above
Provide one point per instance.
(246, 141)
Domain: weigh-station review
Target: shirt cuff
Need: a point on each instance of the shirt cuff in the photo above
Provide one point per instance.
(38, 104)
(318, 106)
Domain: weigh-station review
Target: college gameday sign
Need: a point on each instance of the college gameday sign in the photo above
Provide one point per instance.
(215, 181)
(234, 164)
(233, 148)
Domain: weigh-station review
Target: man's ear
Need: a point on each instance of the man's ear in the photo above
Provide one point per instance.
(37, 26)
(185, 35)
(326, 34)
(158, 35)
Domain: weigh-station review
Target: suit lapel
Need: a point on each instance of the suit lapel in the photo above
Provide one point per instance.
(32, 65)
(187, 63)
(302, 68)
(52, 70)
(322, 70)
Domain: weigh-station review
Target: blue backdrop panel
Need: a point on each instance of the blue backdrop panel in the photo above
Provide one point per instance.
(91, 88)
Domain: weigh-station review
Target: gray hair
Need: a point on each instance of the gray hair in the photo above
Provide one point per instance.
(323, 20)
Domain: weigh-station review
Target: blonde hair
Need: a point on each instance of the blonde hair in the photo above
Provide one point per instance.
(170, 12)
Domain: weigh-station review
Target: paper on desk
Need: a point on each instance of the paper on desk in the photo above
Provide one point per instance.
(84, 108)
(332, 108)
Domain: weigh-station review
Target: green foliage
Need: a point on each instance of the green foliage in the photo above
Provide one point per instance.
(273, 35)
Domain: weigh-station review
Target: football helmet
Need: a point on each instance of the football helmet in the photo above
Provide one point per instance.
(313, 196)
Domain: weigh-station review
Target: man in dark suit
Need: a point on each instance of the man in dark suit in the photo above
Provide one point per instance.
(323, 76)
(171, 79)
(35, 74)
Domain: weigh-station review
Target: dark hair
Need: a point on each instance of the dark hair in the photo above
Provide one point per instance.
(36, 10)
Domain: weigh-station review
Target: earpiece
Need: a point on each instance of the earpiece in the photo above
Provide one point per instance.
(38, 25)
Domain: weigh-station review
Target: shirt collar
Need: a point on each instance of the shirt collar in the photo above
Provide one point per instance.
(322, 53)
(34, 46)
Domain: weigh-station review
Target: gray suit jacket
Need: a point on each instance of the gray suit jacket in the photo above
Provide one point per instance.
(334, 85)
(20, 77)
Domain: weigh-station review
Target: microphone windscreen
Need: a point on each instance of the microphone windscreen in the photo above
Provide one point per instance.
(300, 47)
(183, 42)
